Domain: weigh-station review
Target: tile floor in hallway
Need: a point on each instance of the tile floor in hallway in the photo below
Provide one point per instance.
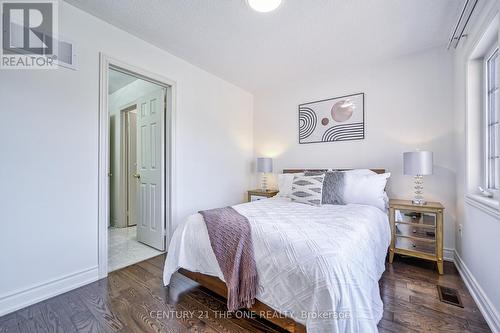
(125, 250)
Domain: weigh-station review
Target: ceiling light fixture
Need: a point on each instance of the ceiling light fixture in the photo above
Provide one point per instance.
(264, 6)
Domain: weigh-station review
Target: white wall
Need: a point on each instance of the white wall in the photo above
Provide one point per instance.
(118, 101)
(408, 105)
(49, 150)
(478, 245)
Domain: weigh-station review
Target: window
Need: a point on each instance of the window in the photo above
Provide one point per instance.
(492, 149)
(482, 145)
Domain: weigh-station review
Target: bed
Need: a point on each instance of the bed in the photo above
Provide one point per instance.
(318, 267)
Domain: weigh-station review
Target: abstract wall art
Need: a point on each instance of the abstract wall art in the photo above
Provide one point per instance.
(334, 119)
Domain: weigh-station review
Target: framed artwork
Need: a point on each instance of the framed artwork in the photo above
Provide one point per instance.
(334, 119)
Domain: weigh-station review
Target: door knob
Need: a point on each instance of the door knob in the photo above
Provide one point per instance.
(136, 175)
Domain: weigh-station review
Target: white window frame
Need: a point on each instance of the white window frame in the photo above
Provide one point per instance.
(486, 123)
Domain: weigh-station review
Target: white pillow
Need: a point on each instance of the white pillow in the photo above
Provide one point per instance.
(366, 189)
(285, 181)
(360, 172)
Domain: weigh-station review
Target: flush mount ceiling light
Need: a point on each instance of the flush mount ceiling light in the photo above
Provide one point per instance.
(264, 6)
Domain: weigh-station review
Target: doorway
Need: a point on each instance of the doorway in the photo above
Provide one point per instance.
(138, 117)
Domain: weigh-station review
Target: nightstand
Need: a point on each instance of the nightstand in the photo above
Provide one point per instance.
(417, 230)
(254, 195)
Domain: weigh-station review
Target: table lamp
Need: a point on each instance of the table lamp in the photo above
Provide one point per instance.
(264, 166)
(418, 164)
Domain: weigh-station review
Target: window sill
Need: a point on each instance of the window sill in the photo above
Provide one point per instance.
(488, 205)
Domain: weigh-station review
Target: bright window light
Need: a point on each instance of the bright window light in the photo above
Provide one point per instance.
(492, 121)
(264, 6)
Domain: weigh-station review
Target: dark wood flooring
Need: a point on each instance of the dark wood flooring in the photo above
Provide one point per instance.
(133, 299)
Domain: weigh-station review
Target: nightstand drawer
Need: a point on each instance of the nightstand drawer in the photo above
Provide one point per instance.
(256, 197)
(412, 217)
(415, 245)
(412, 231)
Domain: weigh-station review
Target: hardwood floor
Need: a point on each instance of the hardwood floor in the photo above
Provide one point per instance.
(133, 299)
(411, 301)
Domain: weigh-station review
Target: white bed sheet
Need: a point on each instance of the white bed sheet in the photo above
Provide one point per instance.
(318, 265)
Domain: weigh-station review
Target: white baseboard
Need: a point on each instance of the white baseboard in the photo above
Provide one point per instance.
(449, 254)
(487, 309)
(23, 298)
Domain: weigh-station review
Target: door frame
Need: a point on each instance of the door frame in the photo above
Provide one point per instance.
(105, 63)
(124, 154)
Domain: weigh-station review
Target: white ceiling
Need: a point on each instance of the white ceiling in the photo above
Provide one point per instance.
(302, 38)
(118, 80)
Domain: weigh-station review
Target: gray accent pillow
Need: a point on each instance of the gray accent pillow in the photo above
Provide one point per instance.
(333, 187)
(307, 189)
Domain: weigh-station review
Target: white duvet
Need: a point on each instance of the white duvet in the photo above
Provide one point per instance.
(318, 265)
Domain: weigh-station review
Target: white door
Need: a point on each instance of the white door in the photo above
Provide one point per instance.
(151, 169)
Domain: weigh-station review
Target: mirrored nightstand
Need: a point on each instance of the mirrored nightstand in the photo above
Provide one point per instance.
(417, 230)
(254, 195)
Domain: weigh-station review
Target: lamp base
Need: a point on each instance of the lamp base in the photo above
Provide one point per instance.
(263, 184)
(419, 202)
(418, 198)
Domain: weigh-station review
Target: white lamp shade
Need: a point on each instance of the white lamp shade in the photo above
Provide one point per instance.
(418, 163)
(264, 164)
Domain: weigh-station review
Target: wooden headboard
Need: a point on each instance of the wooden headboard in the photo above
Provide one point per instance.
(379, 171)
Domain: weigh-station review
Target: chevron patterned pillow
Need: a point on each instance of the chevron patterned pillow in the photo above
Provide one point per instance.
(307, 189)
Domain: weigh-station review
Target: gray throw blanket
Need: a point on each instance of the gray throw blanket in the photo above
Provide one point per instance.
(231, 239)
